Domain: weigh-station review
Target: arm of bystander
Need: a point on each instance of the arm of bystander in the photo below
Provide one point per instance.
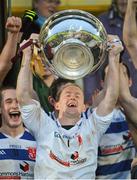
(130, 30)
(13, 25)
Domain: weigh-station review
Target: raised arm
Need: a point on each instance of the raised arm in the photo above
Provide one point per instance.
(128, 102)
(112, 78)
(24, 82)
(13, 26)
(25, 91)
(130, 30)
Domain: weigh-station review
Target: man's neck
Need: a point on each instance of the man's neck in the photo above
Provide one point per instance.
(13, 132)
(68, 120)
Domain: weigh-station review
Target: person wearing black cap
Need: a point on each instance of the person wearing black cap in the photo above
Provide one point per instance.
(43, 9)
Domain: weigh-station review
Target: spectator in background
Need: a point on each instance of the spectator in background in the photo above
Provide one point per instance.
(13, 25)
(31, 23)
(129, 104)
(130, 40)
(116, 148)
(17, 145)
(44, 9)
(113, 21)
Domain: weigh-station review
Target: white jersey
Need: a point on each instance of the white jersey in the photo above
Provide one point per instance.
(17, 156)
(61, 153)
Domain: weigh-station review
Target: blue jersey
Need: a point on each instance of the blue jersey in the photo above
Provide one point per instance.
(116, 150)
(17, 156)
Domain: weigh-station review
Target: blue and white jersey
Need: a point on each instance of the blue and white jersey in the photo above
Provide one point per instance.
(61, 153)
(17, 156)
(116, 150)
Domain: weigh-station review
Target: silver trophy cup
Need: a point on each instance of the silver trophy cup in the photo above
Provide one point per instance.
(73, 43)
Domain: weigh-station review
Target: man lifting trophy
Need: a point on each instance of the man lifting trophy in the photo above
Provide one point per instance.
(71, 44)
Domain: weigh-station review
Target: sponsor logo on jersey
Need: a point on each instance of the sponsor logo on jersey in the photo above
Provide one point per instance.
(16, 175)
(14, 146)
(10, 177)
(118, 148)
(2, 152)
(74, 156)
(127, 136)
(24, 166)
(58, 135)
(111, 150)
(32, 153)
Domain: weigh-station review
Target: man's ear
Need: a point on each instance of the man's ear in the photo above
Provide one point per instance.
(51, 100)
(56, 106)
(84, 108)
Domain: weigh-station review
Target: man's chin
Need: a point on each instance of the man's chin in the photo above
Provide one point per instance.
(73, 113)
(15, 125)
